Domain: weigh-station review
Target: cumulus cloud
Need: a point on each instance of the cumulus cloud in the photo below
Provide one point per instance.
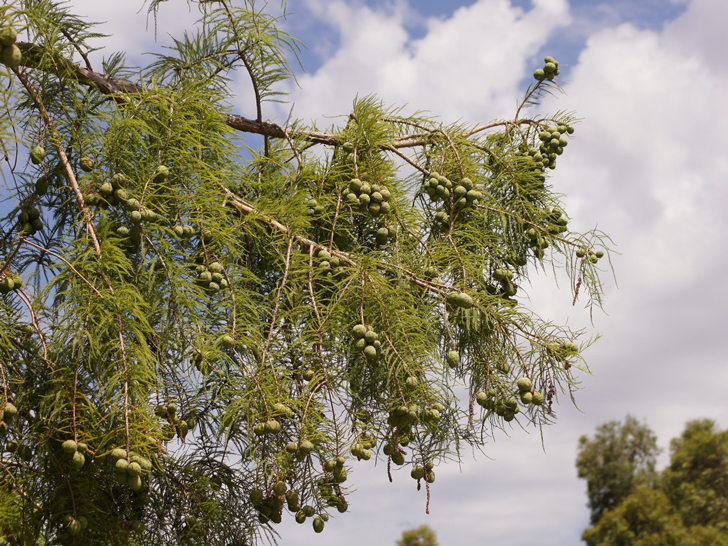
(649, 164)
(130, 29)
(467, 66)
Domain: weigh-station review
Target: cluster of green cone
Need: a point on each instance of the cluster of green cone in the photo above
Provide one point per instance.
(371, 198)
(366, 341)
(10, 54)
(211, 276)
(76, 525)
(10, 282)
(419, 471)
(29, 221)
(508, 407)
(553, 141)
(129, 468)
(76, 452)
(325, 261)
(456, 196)
(270, 506)
(176, 425)
(7, 415)
(549, 71)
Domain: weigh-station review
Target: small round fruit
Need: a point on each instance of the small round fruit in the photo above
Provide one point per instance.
(8, 35)
(382, 236)
(358, 331)
(318, 524)
(37, 154)
(106, 189)
(161, 174)
(11, 56)
(134, 469)
(355, 185)
(340, 474)
(272, 426)
(78, 461)
(526, 397)
(87, 164)
(537, 398)
(482, 398)
(135, 483)
(417, 472)
(75, 527)
(118, 453)
(41, 185)
(398, 458)
(9, 412)
(228, 341)
(256, 496)
(524, 384)
(453, 358)
(182, 428)
(69, 447)
(280, 488)
(370, 353)
(300, 516)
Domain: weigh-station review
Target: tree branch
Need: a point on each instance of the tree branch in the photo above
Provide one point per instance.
(118, 88)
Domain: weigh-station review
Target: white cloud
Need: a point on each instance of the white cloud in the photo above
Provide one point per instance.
(130, 29)
(467, 66)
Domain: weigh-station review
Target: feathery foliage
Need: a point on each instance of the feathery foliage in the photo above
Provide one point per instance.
(198, 340)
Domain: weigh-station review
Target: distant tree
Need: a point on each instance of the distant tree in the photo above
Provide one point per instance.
(421, 536)
(615, 461)
(686, 505)
(645, 517)
(696, 482)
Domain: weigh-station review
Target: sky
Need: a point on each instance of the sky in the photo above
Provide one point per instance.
(648, 166)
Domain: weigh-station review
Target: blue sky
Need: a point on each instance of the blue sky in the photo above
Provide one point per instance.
(647, 166)
(322, 38)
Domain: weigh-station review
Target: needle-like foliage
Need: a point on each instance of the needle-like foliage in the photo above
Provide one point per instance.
(198, 340)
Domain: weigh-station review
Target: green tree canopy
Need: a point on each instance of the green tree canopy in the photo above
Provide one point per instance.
(696, 482)
(684, 505)
(421, 536)
(202, 330)
(615, 461)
